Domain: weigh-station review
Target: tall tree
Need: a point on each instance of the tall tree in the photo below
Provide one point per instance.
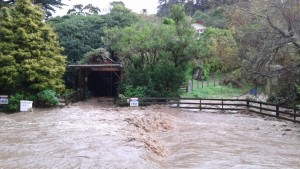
(78, 34)
(269, 35)
(120, 16)
(79, 9)
(156, 55)
(219, 51)
(47, 5)
(29, 50)
(191, 6)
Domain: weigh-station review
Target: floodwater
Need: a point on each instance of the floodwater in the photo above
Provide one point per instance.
(82, 136)
(91, 135)
(216, 140)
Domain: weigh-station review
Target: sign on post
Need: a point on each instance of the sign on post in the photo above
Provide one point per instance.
(3, 99)
(134, 102)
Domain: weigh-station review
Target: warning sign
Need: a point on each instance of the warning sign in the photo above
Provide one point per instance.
(3, 99)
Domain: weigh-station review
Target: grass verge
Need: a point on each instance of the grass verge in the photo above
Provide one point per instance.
(218, 91)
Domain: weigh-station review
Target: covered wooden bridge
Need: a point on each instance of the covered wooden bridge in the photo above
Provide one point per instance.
(101, 80)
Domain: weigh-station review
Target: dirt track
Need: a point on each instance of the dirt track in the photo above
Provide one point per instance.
(93, 135)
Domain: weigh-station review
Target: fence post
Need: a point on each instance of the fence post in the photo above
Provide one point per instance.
(277, 111)
(295, 114)
(200, 105)
(248, 104)
(260, 107)
(178, 102)
(222, 104)
(66, 101)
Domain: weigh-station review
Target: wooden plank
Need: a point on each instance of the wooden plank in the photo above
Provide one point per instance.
(266, 109)
(283, 118)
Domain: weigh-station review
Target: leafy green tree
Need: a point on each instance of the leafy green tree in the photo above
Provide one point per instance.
(116, 3)
(268, 34)
(219, 51)
(184, 46)
(190, 6)
(79, 9)
(120, 16)
(29, 51)
(78, 34)
(48, 6)
(156, 55)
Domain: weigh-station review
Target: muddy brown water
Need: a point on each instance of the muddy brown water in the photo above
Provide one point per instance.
(91, 135)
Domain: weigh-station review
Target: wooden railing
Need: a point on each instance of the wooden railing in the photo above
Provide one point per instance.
(278, 111)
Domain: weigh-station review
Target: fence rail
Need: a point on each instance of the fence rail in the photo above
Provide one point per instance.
(268, 109)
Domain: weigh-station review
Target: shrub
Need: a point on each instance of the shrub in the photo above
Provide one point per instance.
(47, 98)
(14, 102)
(131, 91)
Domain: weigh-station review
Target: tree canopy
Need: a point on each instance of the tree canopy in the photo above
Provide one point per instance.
(79, 9)
(268, 32)
(30, 56)
(78, 34)
(48, 6)
(190, 6)
(156, 55)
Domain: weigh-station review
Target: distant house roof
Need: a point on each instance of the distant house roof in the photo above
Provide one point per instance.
(200, 22)
(199, 26)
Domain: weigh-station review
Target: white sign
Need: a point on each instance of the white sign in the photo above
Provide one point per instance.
(134, 102)
(3, 99)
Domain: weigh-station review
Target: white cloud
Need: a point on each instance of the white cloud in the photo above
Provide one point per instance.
(134, 5)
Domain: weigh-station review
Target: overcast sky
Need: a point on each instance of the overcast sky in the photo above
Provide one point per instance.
(134, 5)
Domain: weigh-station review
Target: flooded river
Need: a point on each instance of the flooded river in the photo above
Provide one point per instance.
(91, 135)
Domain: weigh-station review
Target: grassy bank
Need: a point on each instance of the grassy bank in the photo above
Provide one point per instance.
(215, 91)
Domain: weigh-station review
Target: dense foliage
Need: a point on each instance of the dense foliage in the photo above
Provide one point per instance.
(46, 98)
(190, 6)
(268, 35)
(260, 40)
(96, 56)
(79, 9)
(219, 51)
(78, 34)
(30, 56)
(155, 55)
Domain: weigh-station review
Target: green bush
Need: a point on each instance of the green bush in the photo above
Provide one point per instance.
(161, 80)
(47, 98)
(14, 102)
(131, 91)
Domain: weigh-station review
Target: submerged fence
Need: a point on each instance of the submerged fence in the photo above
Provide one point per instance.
(258, 107)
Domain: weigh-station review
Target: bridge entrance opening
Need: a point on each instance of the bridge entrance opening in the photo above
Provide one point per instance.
(99, 80)
(103, 84)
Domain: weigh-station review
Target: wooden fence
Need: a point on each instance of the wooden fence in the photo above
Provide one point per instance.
(262, 108)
